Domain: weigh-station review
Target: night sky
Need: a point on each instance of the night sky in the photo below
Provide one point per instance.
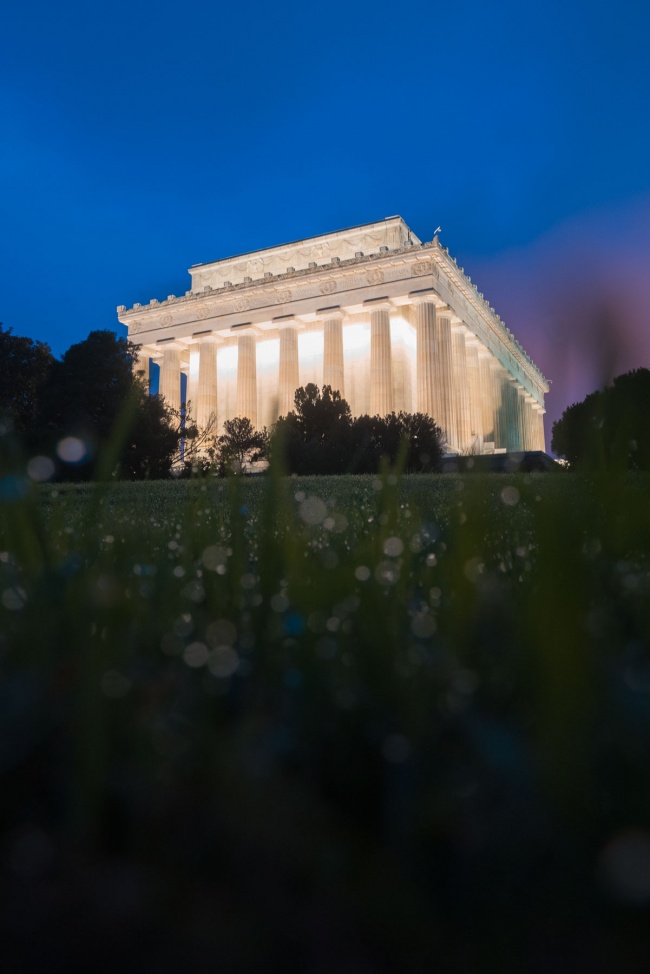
(140, 138)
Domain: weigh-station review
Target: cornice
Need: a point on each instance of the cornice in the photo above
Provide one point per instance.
(425, 259)
(488, 315)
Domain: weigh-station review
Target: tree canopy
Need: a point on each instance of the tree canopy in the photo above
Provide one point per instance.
(320, 437)
(93, 399)
(24, 367)
(610, 428)
(240, 444)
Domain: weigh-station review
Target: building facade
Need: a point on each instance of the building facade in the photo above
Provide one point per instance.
(391, 322)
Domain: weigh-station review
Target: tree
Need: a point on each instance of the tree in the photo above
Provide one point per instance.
(314, 438)
(152, 444)
(320, 437)
(381, 437)
(24, 367)
(424, 439)
(94, 394)
(240, 445)
(610, 428)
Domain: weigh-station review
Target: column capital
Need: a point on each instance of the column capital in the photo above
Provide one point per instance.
(148, 351)
(198, 337)
(444, 311)
(378, 304)
(425, 295)
(287, 321)
(332, 312)
(246, 328)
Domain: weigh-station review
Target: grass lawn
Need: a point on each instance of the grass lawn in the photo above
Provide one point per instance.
(337, 724)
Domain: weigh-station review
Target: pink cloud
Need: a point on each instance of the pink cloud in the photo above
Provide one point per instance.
(578, 299)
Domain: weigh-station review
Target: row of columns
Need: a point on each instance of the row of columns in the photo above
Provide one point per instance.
(471, 396)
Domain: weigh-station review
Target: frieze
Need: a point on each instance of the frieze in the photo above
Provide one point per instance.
(242, 304)
(375, 277)
(328, 287)
(421, 267)
(166, 321)
(203, 312)
(283, 296)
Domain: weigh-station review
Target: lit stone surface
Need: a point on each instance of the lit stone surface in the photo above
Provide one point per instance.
(381, 380)
(170, 377)
(247, 377)
(288, 380)
(206, 406)
(391, 322)
(333, 361)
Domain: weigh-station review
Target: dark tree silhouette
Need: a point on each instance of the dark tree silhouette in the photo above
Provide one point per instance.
(94, 393)
(24, 367)
(610, 428)
(320, 437)
(240, 444)
(315, 437)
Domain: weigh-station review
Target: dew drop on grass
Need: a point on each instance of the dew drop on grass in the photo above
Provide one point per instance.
(196, 654)
(223, 661)
(510, 496)
(393, 547)
(14, 598)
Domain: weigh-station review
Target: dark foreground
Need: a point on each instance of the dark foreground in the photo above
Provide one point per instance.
(339, 724)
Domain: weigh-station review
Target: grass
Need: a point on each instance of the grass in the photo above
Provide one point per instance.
(350, 723)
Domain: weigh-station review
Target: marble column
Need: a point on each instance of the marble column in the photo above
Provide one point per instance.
(333, 373)
(486, 382)
(462, 363)
(474, 386)
(170, 377)
(381, 380)
(425, 339)
(522, 409)
(206, 396)
(529, 431)
(142, 369)
(247, 377)
(444, 411)
(514, 419)
(288, 377)
(538, 425)
(500, 406)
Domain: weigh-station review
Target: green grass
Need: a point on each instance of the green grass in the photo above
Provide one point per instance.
(392, 722)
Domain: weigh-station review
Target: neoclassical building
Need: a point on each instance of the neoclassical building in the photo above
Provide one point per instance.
(389, 321)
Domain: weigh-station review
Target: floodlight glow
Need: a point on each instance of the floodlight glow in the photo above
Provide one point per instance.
(310, 345)
(227, 360)
(268, 354)
(356, 340)
(402, 331)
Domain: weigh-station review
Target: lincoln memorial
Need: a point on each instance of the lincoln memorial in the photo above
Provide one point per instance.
(391, 322)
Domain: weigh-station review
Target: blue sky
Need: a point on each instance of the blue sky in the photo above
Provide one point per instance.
(140, 138)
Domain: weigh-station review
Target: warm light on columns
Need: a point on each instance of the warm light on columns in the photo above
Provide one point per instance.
(247, 377)
(500, 387)
(381, 379)
(288, 370)
(474, 394)
(444, 412)
(206, 398)
(333, 374)
(463, 362)
(487, 396)
(539, 422)
(425, 355)
(170, 377)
